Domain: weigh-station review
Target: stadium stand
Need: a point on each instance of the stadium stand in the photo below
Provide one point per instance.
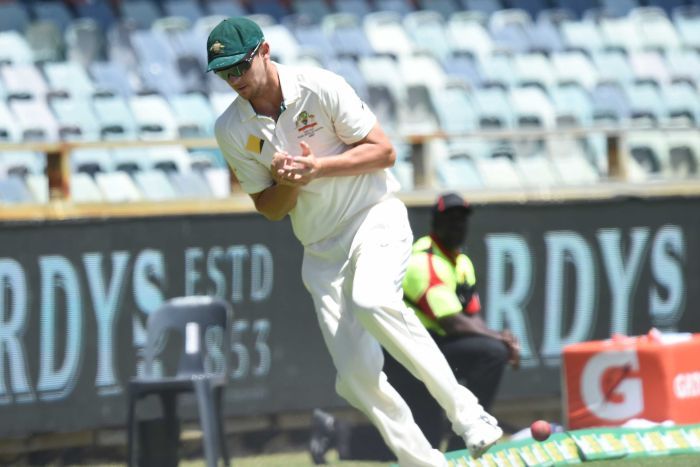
(130, 70)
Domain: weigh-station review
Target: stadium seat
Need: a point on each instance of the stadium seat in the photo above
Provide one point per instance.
(620, 33)
(193, 114)
(572, 105)
(464, 68)
(55, 11)
(688, 27)
(356, 7)
(532, 108)
(509, 30)
(274, 8)
(84, 189)
(15, 49)
(38, 186)
(533, 69)
(13, 190)
(9, 131)
(684, 154)
(614, 65)
(428, 32)
(155, 185)
(683, 103)
(99, 10)
(493, 108)
(115, 118)
(314, 9)
(445, 7)
(46, 41)
(610, 105)
(219, 181)
(402, 7)
(497, 69)
(153, 116)
(574, 67)
(649, 150)
(649, 65)
(85, 41)
(574, 169)
(225, 8)
(283, 45)
(383, 72)
(544, 37)
(346, 35)
(91, 161)
(190, 185)
(35, 120)
(458, 173)
(386, 33)
(668, 5)
(618, 8)
(533, 7)
(417, 114)
(582, 35)
(111, 77)
(647, 106)
(14, 16)
(69, 77)
(348, 69)
(76, 113)
(422, 70)
(578, 7)
(683, 64)
(536, 171)
(189, 9)
(312, 40)
(117, 187)
(454, 109)
(469, 36)
(22, 163)
(140, 13)
(487, 7)
(655, 29)
(498, 173)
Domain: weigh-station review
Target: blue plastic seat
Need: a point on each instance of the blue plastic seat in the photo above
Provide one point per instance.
(13, 190)
(140, 13)
(55, 11)
(455, 110)
(445, 7)
(401, 7)
(14, 16)
(610, 103)
(618, 8)
(194, 115)
(356, 7)
(189, 9)
(493, 108)
(314, 9)
(646, 103)
(509, 30)
(226, 8)
(346, 35)
(484, 6)
(578, 7)
(115, 118)
(533, 7)
(572, 105)
(99, 10)
(201, 369)
(77, 113)
(274, 8)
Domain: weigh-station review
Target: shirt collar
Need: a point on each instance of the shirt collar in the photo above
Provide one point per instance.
(290, 92)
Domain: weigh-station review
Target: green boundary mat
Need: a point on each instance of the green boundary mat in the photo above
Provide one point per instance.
(580, 446)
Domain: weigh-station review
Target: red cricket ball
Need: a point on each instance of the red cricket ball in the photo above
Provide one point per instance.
(540, 430)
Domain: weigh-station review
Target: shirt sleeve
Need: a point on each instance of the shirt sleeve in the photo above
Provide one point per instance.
(250, 173)
(352, 118)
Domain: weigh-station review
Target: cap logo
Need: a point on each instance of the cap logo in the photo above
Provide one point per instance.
(217, 48)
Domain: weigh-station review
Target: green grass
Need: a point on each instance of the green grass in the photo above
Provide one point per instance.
(302, 459)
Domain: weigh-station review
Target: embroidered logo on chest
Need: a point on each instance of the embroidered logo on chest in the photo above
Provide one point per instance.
(306, 124)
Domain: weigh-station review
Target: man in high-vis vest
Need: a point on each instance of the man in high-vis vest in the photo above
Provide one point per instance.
(440, 287)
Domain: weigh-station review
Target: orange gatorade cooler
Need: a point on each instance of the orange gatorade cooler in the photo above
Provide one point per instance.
(654, 377)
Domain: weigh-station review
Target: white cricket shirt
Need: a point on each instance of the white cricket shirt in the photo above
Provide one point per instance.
(323, 110)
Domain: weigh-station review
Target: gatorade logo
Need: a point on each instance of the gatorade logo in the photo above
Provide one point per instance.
(607, 388)
(687, 385)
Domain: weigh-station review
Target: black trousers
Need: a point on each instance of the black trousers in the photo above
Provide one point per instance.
(477, 361)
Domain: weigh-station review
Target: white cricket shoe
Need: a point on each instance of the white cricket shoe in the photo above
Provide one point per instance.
(482, 433)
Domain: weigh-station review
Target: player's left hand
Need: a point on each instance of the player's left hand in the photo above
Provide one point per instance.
(305, 167)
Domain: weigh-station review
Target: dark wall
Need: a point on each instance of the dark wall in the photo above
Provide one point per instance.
(75, 296)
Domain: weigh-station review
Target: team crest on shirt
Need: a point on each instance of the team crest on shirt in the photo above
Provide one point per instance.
(306, 124)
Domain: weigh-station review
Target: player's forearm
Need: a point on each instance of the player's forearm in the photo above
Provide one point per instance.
(361, 159)
(276, 201)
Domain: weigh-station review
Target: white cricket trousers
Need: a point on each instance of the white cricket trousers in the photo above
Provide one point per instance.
(355, 281)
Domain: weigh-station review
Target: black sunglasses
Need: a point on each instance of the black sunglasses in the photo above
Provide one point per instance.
(239, 68)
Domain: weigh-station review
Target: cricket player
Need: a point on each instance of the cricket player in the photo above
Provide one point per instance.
(303, 144)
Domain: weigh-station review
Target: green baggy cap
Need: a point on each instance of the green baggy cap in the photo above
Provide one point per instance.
(230, 41)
